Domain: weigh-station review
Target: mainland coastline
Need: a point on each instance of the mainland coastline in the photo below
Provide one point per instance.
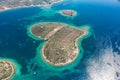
(7, 4)
(49, 53)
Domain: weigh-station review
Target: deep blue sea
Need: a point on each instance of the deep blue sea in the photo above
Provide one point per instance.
(101, 57)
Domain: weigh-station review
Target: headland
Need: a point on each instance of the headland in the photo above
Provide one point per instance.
(61, 46)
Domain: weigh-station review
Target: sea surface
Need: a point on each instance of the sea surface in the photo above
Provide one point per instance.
(100, 57)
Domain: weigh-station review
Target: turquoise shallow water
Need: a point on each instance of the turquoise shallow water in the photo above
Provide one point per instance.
(38, 60)
(17, 45)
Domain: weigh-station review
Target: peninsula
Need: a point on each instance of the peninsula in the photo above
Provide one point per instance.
(10, 4)
(7, 69)
(61, 46)
(68, 13)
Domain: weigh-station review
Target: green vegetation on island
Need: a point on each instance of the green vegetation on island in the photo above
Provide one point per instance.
(61, 46)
